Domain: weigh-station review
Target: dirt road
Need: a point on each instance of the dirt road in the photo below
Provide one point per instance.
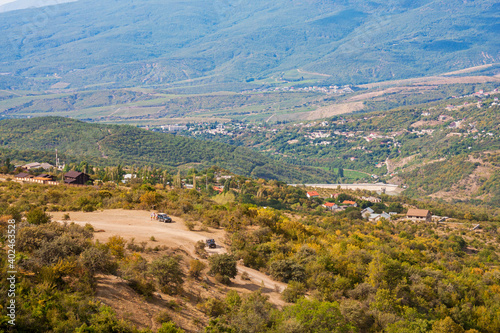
(137, 224)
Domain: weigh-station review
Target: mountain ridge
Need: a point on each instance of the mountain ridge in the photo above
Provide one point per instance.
(147, 42)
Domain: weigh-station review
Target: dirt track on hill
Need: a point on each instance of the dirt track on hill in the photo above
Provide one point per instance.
(137, 224)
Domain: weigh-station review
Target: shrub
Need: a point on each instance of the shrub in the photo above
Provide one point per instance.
(190, 225)
(37, 216)
(97, 260)
(61, 247)
(199, 249)
(224, 265)
(169, 273)
(30, 238)
(286, 270)
(105, 321)
(173, 305)
(196, 267)
(142, 286)
(116, 245)
(222, 279)
(293, 292)
(317, 316)
(213, 307)
(170, 327)
(163, 317)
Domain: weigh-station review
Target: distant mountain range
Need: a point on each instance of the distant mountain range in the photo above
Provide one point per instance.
(151, 42)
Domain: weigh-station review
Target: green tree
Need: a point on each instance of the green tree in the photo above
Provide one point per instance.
(227, 184)
(223, 265)
(169, 273)
(170, 327)
(97, 260)
(293, 292)
(177, 180)
(317, 316)
(446, 325)
(253, 315)
(341, 173)
(286, 270)
(196, 267)
(38, 216)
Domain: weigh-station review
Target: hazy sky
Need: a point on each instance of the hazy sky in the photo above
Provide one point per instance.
(33, 3)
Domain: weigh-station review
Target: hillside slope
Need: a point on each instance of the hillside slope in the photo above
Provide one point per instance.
(112, 144)
(151, 42)
(448, 149)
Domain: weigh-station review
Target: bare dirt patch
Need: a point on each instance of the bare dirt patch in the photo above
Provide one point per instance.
(137, 224)
(430, 123)
(130, 306)
(334, 109)
(433, 80)
(393, 165)
(468, 70)
(468, 186)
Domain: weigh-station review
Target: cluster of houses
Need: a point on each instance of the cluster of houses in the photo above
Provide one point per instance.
(36, 165)
(345, 89)
(44, 178)
(70, 178)
(418, 215)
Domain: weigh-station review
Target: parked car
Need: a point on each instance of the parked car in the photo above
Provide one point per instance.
(211, 243)
(162, 217)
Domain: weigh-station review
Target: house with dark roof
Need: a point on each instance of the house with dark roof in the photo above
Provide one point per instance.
(46, 177)
(24, 176)
(419, 215)
(76, 178)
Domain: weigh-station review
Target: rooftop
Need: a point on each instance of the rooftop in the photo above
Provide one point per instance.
(417, 212)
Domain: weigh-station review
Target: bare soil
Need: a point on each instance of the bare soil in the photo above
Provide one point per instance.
(137, 224)
(334, 109)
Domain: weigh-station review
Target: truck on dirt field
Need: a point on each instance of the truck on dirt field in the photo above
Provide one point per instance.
(211, 243)
(162, 217)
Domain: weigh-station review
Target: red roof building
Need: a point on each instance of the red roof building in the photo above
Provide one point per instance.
(218, 189)
(312, 194)
(330, 205)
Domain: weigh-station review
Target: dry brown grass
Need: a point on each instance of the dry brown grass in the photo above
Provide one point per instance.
(334, 109)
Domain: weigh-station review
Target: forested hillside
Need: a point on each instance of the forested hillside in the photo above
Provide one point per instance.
(448, 149)
(341, 272)
(195, 42)
(131, 146)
